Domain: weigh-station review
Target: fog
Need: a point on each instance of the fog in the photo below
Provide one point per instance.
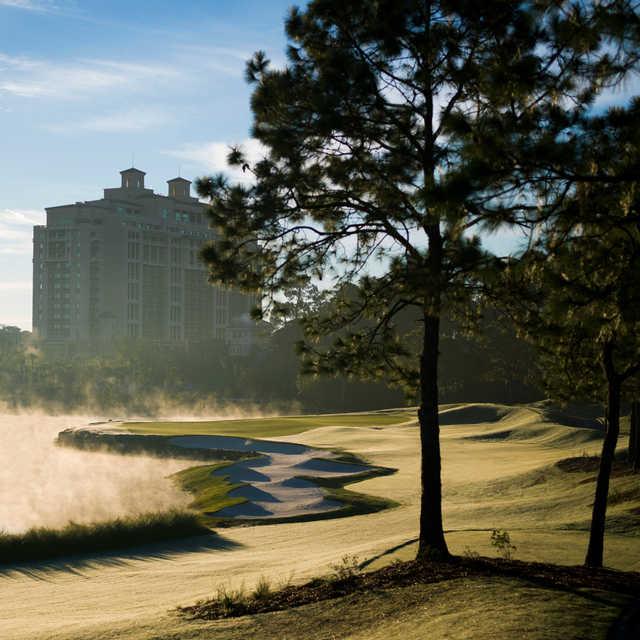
(151, 404)
(45, 485)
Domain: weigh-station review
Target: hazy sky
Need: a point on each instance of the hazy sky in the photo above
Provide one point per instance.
(87, 84)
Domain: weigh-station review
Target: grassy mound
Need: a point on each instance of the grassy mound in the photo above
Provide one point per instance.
(270, 427)
(42, 543)
(210, 492)
(348, 580)
(462, 608)
(498, 423)
(474, 414)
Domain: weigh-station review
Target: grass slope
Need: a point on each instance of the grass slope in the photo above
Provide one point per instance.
(210, 493)
(270, 427)
(465, 598)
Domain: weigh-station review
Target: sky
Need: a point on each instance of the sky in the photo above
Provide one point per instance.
(88, 88)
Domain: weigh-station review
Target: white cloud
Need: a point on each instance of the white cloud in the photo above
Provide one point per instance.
(29, 5)
(212, 157)
(33, 78)
(16, 229)
(133, 69)
(230, 62)
(17, 63)
(237, 54)
(128, 121)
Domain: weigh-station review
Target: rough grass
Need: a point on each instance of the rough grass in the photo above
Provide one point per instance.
(474, 608)
(210, 492)
(270, 427)
(464, 609)
(464, 598)
(41, 543)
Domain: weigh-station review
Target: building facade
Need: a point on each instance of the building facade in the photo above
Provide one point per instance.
(127, 266)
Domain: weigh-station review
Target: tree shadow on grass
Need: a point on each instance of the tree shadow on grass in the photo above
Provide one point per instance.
(75, 564)
(600, 586)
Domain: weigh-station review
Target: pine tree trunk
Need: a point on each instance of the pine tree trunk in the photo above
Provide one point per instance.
(432, 543)
(634, 436)
(595, 550)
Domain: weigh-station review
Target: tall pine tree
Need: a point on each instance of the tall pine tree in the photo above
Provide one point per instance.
(367, 174)
(581, 286)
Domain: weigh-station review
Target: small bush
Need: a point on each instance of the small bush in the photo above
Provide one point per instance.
(501, 541)
(286, 582)
(470, 553)
(347, 569)
(262, 589)
(231, 601)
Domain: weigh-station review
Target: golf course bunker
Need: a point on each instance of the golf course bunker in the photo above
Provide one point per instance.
(279, 483)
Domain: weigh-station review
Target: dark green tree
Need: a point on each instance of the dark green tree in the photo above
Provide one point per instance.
(366, 175)
(583, 288)
(574, 173)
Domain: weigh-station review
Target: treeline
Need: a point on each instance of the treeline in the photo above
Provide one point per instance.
(138, 377)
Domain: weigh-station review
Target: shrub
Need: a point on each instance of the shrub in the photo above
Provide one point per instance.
(347, 569)
(501, 541)
(470, 553)
(262, 589)
(231, 601)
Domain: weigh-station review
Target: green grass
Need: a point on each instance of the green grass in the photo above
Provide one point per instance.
(269, 427)
(210, 493)
(41, 543)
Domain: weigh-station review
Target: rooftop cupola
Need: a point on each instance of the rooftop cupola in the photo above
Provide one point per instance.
(132, 178)
(179, 188)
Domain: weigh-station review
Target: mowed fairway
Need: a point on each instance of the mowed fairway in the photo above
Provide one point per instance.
(499, 472)
(269, 427)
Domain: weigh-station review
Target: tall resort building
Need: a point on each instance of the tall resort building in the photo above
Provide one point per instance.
(127, 266)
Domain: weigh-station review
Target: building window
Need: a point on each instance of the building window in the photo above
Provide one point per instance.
(133, 251)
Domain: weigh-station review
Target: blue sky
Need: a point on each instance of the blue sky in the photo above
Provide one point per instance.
(86, 85)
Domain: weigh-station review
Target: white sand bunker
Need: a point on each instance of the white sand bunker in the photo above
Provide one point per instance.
(272, 484)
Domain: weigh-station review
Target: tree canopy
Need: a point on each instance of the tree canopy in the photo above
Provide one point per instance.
(579, 288)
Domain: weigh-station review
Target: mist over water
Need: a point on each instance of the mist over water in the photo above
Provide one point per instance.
(45, 485)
